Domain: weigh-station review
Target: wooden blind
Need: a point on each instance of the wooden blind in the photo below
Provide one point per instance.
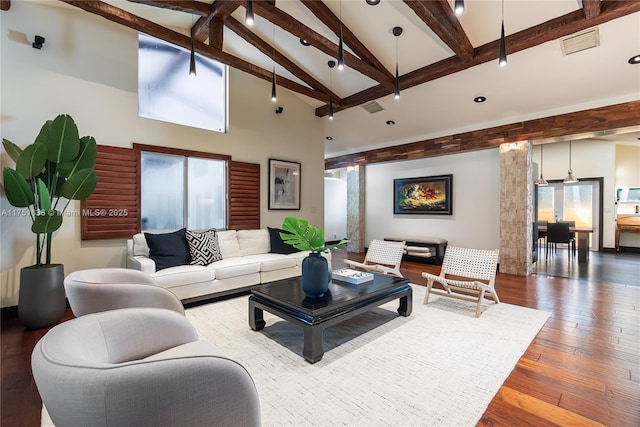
(244, 195)
(113, 209)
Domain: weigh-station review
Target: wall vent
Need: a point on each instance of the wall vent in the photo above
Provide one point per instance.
(372, 107)
(580, 41)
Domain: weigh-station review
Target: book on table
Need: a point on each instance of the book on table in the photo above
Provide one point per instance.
(351, 276)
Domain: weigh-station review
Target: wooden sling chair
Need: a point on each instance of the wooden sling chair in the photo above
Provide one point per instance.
(382, 257)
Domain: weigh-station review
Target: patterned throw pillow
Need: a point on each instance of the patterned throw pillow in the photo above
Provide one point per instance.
(204, 247)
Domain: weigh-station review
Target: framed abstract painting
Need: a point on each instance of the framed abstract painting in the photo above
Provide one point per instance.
(284, 185)
(425, 195)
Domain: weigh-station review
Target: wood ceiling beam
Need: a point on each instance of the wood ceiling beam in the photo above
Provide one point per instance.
(220, 9)
(251, 38)
(298, 29)
(328, 18)
(190, 6)
(5, 4)
(216, 33)
(136, 23)
(439, 16)
(525, 39)
(591, 8)
(563, 125)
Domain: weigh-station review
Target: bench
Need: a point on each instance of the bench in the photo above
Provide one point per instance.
(422, 248)
(474, 272)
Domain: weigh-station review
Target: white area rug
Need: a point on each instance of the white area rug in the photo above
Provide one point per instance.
(438, 367)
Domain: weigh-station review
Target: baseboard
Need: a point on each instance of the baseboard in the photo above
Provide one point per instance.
(630, 249)
(10, 312)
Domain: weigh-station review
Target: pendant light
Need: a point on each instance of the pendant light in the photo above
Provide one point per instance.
(192, 61)
(274, 98)
(340, 44)
(459, 7)
(570, 178)
(502, 61)
(541, 182)
(331, 65)
(248, 17)
(396, 86)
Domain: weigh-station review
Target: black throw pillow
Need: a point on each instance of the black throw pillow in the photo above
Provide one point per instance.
(168, 249)
(278, 246)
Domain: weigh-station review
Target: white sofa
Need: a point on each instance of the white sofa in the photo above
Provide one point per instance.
(246, 262)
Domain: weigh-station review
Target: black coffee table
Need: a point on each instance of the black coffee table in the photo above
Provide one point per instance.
(343, 301)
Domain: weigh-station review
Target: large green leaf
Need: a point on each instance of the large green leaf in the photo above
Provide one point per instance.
(86, 157)
(80, 185)
(44, 132)
(44, 198)
(63, 142)
(12, 149)
(47, 222)
(17, 189)
(31, 161)
(302, 236)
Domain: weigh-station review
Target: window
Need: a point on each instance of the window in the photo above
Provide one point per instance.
(182, 191)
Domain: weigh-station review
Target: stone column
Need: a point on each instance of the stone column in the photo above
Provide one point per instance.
(355, 208)
(516, 208)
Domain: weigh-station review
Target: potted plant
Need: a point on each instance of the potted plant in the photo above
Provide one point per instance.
(315, 269)
(57, 168)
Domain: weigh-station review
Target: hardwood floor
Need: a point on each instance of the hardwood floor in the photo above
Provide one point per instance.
(582, 369)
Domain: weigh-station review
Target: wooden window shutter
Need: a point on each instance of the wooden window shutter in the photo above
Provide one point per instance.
(244, 195)
(113, 209)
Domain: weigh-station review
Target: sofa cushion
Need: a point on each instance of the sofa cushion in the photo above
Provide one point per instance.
(183, 275)
(253, 242)
(203, 247)
(271, 262)
(235, 266)
(277, 245)
(168, 249)
(228, 241)
(140, 247)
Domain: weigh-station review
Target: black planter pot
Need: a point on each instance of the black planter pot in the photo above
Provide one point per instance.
(315, 275)
(41, 301)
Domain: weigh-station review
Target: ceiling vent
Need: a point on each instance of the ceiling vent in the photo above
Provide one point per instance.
(372, 107)
(580, 41)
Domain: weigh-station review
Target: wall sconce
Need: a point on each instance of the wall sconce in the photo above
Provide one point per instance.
(38, 42)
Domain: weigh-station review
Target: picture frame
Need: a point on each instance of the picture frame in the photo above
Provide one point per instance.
(284, 185)
(430, 195)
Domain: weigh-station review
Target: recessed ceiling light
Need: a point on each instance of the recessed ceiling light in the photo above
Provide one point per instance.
(391, 122)
(303, 42)
(479, 99)
(328, 138)
(634, 60)
(372, 2)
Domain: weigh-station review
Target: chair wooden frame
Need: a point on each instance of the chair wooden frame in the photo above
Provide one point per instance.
(382, 257)
(478, 265)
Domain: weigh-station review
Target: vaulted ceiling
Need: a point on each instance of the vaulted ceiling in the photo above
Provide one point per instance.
(444, 59)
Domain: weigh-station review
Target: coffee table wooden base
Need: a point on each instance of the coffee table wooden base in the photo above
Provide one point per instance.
(313, 326)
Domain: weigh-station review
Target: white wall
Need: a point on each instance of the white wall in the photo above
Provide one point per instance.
(335, 208)
(88, 69)
(589, 159)
(475, 222)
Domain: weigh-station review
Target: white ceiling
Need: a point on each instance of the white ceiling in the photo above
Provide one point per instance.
(537, 82)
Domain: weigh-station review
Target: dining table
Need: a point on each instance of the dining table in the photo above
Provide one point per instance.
(582, 235)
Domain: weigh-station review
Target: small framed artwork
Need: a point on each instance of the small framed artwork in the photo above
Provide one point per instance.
(425, 195)
(284, 185)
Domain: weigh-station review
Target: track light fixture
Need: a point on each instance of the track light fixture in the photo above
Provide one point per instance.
(541, 182)
(248, 17)
(570, 178)
(459, 7)
(502, 61)
(396, 84)
(340, 44)
(331, 64)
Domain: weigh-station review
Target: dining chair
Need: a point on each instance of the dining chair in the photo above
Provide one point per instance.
(542, 235)
(572, 235)
(558, 232)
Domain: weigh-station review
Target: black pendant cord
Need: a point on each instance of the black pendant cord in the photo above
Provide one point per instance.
(192, 58)
(274, 96)
(340, 44)
(502, 61)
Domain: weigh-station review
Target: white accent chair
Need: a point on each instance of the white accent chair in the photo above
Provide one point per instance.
(139, 367)
(102, 289)
(382, 257)
(477, 265)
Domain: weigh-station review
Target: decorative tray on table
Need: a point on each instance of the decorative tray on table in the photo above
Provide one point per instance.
(351, 276)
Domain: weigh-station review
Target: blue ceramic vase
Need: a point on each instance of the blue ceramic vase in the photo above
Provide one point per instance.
(315, 275)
